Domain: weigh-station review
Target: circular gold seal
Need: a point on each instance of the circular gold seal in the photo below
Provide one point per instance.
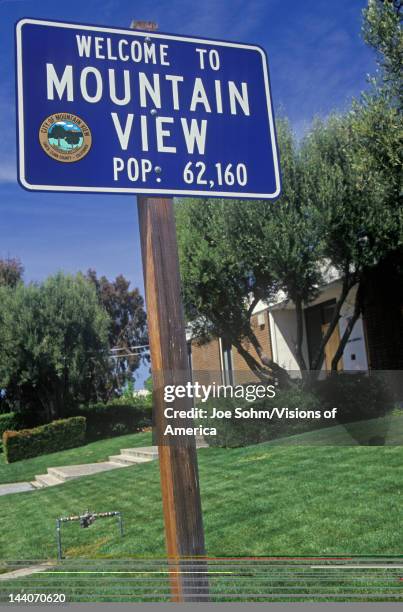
(65, 137)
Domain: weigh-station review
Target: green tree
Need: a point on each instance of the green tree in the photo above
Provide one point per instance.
(293, 237)
(340, 210)
(54, 351)
(73, 137)
(234, 254)
(128, 326)
(11, 272)
(220, 288)
(355, 181)
(382, 21)
(58, 133)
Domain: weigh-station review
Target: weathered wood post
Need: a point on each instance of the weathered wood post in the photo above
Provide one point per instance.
(169, 362)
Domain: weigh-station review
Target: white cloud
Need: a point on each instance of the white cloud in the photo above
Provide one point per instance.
(8, 172)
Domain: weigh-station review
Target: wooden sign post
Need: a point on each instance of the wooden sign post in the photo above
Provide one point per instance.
(169, 363)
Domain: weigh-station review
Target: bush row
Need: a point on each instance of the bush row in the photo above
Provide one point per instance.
(116, 418)
(9, 421)
(234, 432)
(357, 398)
(53, 437)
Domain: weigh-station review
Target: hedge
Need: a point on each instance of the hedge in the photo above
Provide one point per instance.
(53, 437)
(357, 398)
(9, 421)
(115, 418)
(235, 432)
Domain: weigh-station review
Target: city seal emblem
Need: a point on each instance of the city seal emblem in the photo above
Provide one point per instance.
(65, 137)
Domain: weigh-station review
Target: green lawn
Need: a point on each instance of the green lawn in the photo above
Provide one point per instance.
(351, 434)
(237, 580)
(90, 453)
(266, 500)
(259, 500)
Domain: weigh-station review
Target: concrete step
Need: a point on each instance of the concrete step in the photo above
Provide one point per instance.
(146, 452)
(56, 473)
(46, 480)
(124, 459)
(201, 442)
(69, 472)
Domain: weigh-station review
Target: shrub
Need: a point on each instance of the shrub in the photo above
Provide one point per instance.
(117, 417)
(357, 396)
(55, 436)
(235, 432)
(9, 421)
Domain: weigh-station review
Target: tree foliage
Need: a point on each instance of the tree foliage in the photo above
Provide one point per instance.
(128, 325)
(11, 272)
(339, 210)
(219, 285)
(58, 133)
(355, 163)
(234, 254)
(382, 30)
(54, 349)
(73, 138)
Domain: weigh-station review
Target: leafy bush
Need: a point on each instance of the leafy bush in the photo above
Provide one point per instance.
(359, 398)
(9, 421)
(116, 418)
(236, 432)
(55, 436)
(356, 396)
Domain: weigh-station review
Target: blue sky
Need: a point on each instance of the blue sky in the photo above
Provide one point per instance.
(318, 62)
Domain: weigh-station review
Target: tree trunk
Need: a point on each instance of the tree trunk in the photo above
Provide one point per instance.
(267, 370)
(348, 284)
(257, 369)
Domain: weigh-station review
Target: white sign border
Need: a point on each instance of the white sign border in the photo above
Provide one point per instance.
(138, 190)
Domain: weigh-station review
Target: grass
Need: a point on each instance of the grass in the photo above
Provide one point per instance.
(90, 453)
(242, 581)
(259, 500)
(268, 499)
(351, 434)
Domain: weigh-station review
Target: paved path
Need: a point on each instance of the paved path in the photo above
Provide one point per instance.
(25, 571)
(59, 475)
(128, 456)
(15, 487)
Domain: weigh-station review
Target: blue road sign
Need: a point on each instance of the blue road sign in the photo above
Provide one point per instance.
(123, 111)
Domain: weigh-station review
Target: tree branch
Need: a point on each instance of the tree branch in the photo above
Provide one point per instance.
(348, 283)
(271, 369)
(260, 371)
(253, 304)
